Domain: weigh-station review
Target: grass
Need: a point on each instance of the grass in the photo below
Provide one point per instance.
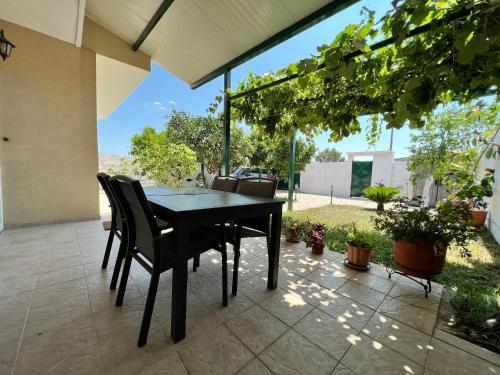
(474, 282)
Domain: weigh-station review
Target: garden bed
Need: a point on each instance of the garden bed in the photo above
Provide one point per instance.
(473, 283)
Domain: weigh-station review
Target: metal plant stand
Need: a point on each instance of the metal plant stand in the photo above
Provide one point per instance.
(426, 283)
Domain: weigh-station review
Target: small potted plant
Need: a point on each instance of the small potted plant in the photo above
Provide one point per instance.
(315, 237)
(421, 236)
(474, 193)
(381, 194)
(292, 229)
(358, 248)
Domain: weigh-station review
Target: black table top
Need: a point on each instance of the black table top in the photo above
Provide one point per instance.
(178, 191)
(208, 200)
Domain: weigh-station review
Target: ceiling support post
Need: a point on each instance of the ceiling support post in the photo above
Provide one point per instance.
(227, 122)
(291, 171)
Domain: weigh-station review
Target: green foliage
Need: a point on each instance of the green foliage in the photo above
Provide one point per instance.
(162, 161)
(381, 194)
(314, 234)
(203, 135)
(357, 238)
(329, 155)
(124, 167)
(273, 155)
(455, 59)
(449, 224)
(447, 141)
(475, 192)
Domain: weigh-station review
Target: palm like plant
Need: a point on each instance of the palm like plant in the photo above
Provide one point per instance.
(381, 194)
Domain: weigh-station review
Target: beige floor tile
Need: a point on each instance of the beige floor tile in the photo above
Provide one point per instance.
(302, 265)
(311, 292)
(372, 357)
(256, 287)
(171, 364)
(342, 370)
(59, 276)
(327, 333)
(287, 306)
(399, 337)
(236, 305)
(18, 285)
(216, 351)
(255, 367)
(293, 354)
(347, 311)
(380, 284)
(337, 268)
(52, 264)
(326, 279)
(416, 317)
(415, 295)
(256, 328)
(447, 359)
(362, 294)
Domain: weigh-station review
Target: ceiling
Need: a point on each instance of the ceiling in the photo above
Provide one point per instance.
(195, 37)
(61, 19)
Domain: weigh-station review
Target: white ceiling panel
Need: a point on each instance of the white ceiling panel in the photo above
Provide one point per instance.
(195, 37)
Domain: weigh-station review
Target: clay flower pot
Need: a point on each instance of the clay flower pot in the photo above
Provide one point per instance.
(478, 217)
(292, 235)
(358, 256)
(317, 249)
(419, 258)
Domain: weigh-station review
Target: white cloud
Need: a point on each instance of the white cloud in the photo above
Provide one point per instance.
(162, 108)
(158, 103)
(171, 102)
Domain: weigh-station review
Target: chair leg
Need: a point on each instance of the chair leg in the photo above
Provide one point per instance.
(122, 252)
(236, 249)
(124, 279)
(224, 275)
(108, 250)
(196, 262)
(148, 309)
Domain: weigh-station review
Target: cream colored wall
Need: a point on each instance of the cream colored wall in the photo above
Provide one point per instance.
(48, 110)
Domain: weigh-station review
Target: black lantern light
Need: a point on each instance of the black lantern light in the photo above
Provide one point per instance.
(5, 46)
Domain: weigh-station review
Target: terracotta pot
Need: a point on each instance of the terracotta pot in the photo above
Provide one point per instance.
(418, 258)
(478, 217)
(358, 256)
(292, 235)
(318, 248)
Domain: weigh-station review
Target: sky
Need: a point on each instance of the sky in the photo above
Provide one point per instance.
(151, 102)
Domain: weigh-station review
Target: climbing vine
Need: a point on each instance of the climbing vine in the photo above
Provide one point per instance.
(437, 51)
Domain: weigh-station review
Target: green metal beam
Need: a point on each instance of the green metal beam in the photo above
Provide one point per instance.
(162, 9)
(335, 6)
(291, 170)
(227, 122)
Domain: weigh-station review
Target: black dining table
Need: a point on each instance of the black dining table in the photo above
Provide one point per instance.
(185, 208)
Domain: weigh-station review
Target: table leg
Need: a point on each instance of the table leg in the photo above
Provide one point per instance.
(179, 284)
(274, 251)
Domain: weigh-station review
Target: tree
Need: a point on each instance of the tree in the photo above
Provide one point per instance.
(329, 155)
(203, 135)
(123, 167)
(445, 142)
(160, 160)
(381, 194)
(273, 156)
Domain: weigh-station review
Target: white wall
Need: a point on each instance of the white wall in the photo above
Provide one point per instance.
(401, 178)
(318, 177)
(382, 169)
(493, 221)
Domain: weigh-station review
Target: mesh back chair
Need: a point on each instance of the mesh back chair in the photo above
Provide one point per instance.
(252, 227)
(225, 184)
(117, 226)
(153, 249)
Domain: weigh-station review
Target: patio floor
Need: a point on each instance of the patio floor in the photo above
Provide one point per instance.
(58, 315)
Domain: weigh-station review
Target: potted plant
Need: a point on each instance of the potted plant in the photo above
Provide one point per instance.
(421, 236)
(474, 193)
(315, 237)
(358, 248)
(381, 194)
(292, 229)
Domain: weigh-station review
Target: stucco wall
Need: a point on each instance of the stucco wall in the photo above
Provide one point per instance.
(318, 177)
(48, 110)
(493, 221)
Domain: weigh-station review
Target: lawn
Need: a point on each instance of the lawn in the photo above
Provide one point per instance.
(474, 282)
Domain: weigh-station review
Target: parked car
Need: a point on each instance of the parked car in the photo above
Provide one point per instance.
(247, 172)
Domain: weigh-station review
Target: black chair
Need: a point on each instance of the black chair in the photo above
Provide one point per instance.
(153, 249)
(252, 227)
(225, 184)
(117, 226)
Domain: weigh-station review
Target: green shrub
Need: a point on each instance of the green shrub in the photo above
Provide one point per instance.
(381, 194)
